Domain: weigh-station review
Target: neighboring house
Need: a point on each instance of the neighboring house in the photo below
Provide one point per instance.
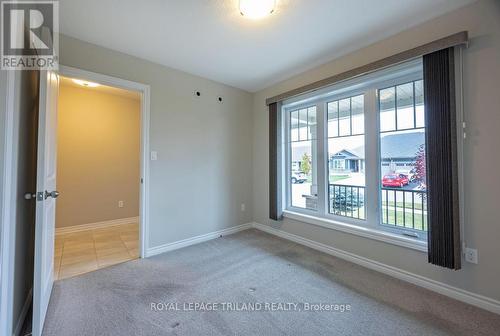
(398, 152)
(347, 161)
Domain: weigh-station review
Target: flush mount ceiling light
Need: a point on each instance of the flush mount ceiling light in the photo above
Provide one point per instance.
(85, 83)
(256, 9)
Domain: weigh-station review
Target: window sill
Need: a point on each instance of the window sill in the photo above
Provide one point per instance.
(382, 236)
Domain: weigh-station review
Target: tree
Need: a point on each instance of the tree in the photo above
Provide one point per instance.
(305, 165)
(419, 170)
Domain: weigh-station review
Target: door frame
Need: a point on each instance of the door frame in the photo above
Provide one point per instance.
(144, 91)
(8, 206)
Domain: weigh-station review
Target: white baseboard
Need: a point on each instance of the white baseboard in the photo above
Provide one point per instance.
(195, 240)
(24, 311)
(97, 225)
(477, 300)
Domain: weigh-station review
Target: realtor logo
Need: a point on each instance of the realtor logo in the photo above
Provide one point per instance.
(29, 36)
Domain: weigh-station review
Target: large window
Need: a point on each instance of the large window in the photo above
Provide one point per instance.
(356, 152)
(346, 157)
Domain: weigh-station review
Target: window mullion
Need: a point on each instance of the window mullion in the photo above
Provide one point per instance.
(372, 174)
(321, 160)
(286, 156)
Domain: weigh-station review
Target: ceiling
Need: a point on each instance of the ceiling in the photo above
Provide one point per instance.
(211, 39)
(66, 81)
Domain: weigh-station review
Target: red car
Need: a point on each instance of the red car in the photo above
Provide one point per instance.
(395, 180)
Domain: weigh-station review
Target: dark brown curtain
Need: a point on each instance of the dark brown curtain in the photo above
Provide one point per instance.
(275, 209)
(442, 164)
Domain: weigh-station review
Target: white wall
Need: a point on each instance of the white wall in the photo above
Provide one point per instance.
(204, 169)
(482, 164)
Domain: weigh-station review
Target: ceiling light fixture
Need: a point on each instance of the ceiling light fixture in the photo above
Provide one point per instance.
(85, 83)
(256, 9)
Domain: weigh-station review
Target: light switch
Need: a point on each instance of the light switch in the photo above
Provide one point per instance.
(154, 155)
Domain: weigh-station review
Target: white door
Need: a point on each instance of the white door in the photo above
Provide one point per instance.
(46, 198)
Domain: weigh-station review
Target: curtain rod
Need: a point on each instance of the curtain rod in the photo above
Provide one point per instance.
(443, 43)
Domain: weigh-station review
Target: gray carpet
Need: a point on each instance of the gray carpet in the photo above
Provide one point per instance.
(253, 267)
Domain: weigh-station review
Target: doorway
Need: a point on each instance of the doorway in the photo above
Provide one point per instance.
(98, 177)
(43, 196)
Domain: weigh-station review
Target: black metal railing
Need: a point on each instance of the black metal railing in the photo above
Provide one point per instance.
(347, 200)
(404, 208)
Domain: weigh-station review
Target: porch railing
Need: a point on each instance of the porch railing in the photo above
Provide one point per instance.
(347, 200)
(404, 208)
(400, 208)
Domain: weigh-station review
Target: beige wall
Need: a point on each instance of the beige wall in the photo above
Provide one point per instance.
(98, 156)
(482, 102)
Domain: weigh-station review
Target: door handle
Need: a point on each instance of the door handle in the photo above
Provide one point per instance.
(52, 194)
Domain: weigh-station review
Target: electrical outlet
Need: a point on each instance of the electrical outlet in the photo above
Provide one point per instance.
(243, 208)
(471, 255)
(120, 204)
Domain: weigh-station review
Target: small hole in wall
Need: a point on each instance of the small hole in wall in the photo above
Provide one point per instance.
(219, 99)
(197, 93)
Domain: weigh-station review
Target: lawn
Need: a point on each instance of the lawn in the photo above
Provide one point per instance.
(418, 206)
(335, 178)
(396, 218)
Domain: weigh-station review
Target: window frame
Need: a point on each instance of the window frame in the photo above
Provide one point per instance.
(369, 86)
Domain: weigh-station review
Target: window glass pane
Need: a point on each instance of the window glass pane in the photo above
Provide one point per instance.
(303, 183)
(312, 123)
(333, 119)
(402, 166)
(303, 124)
(405, 112)
(358, 115)
(294, 125)
(345, 117)
(346, 161)
(346, 176)
(419, 104)
(303, 174)
(387, 109)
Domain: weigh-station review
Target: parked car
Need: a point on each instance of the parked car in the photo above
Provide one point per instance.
(298, 177)
(395, 180)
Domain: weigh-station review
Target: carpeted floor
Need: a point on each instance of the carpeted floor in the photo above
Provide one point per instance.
(253, 267)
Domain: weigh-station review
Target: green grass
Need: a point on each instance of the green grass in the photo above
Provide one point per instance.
(418, 206)
(335, 178)
(396, 218)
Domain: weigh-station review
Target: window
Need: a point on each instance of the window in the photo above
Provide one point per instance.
(356, 152)
(402, 157)
(346, 157)
(303, 149)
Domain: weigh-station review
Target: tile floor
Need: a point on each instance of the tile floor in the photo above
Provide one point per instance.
(81, 252)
